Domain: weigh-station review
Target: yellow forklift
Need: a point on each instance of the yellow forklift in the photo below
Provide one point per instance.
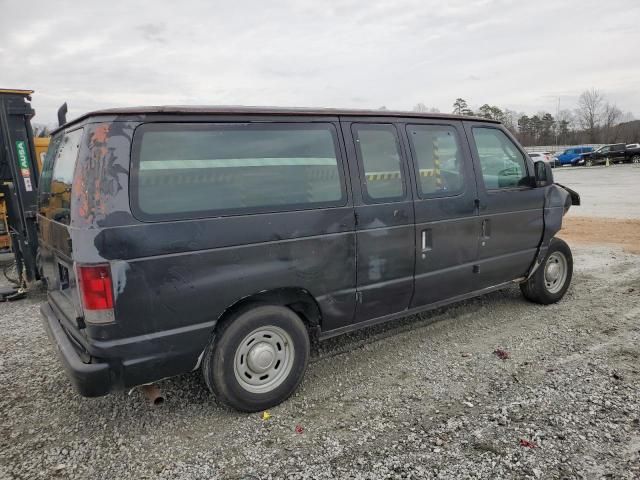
(21, 158)
(41, 145)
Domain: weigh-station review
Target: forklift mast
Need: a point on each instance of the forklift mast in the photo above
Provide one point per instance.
(19, 178)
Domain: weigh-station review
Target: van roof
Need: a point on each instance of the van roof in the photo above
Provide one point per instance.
(242, 110)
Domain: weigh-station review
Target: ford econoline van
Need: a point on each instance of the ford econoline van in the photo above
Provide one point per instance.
(227, 239)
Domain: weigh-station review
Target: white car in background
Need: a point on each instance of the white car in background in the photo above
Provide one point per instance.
(633, 145)
(544, 156)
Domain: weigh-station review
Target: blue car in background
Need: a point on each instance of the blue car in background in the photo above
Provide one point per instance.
(572, 156)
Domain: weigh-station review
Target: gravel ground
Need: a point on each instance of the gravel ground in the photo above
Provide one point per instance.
(423, 397)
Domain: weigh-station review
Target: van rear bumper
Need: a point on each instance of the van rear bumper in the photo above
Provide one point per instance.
(89, 379)
(125, 363)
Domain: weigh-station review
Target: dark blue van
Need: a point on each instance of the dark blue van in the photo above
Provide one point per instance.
(228, 239)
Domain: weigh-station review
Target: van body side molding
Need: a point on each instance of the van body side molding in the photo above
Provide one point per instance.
(413, 311)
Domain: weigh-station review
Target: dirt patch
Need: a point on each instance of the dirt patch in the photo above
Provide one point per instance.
(607, 231)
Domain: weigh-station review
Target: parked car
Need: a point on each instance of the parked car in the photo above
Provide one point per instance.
(571, 156)
(228, 239)
(618, 152)
(546, 157)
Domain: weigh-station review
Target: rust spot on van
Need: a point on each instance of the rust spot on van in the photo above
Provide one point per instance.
(100, 133)
(96, 180)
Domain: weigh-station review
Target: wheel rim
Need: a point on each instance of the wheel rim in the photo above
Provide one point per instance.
(636, 159)
(555, 272)
(589, 163)
(264, 359)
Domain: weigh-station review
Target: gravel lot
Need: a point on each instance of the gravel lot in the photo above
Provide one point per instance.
(423, 397)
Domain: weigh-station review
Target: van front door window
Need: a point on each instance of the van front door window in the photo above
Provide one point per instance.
(502, 164)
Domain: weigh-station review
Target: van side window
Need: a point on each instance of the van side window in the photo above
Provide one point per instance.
(57, 177)
(379, 153)
(47, 166)
(502, 164)
(439, 159)
(196, 170)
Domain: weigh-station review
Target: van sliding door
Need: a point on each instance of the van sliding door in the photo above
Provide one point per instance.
(446, 223)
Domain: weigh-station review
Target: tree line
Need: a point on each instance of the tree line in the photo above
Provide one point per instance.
(594, 120)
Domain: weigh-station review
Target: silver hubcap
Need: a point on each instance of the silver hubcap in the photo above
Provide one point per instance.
(264, 359)
(555, 272)
(636, 159)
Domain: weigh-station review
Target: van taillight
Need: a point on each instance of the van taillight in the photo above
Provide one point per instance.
(95, 287)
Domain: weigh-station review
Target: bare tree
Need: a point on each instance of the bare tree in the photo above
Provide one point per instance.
(566, 126)
(612, 116)
(510, 119)
(589, 112)
(422, 108)
(627, 117)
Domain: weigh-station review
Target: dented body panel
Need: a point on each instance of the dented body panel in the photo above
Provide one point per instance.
(174, 280)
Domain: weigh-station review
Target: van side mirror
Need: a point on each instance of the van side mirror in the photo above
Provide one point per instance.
(544, 174)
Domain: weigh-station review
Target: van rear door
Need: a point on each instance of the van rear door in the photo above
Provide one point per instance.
(54, 219)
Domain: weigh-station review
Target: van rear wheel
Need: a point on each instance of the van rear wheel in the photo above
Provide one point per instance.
(551, 280)
(257, 357)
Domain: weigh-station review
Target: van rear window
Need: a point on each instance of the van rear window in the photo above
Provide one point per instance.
(57, 177)
(198, 170)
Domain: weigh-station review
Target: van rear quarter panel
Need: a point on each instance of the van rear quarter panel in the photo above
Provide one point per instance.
(179, 274)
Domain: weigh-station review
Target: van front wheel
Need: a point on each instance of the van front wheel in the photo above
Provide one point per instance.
(551, 280)
(257, 358)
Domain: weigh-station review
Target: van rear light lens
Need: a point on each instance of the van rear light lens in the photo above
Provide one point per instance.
(96, 291)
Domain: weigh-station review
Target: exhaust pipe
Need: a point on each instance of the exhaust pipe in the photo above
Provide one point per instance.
(62, 114)
(153, 395)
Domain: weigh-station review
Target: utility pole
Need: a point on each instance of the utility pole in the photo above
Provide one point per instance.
(557, 121)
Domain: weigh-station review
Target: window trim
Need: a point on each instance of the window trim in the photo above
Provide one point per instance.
(366, 198)
(134, 169)
(416, 163)
(517, 147)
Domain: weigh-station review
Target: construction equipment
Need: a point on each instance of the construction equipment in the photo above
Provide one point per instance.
(19, 176)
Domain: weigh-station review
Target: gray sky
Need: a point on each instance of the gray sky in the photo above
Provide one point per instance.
(363, 54)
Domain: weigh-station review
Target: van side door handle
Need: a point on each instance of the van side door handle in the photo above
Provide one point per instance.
(485, 231)
(426, 240)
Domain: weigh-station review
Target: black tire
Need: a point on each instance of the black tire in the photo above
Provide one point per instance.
(219, 361)
(537, 288)
(10, 272)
